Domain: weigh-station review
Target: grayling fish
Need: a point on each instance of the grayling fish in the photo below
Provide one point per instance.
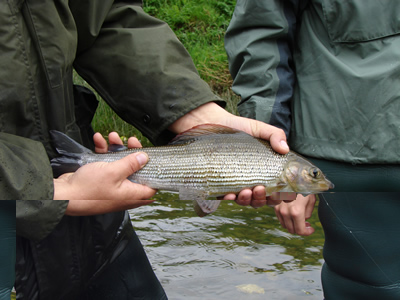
(206, 161)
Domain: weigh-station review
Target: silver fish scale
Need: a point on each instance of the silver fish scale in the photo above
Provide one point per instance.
(244, 162)
(216, 164)
(173, 167)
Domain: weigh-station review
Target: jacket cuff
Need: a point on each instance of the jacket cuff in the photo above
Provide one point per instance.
(37, 218)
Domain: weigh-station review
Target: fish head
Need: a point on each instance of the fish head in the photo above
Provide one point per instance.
(304, 177)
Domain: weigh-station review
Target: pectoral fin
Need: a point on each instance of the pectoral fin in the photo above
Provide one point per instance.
(202, 207)
(205, 207)
(275, 186)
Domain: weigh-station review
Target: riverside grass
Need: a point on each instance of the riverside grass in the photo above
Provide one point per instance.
(200, 26)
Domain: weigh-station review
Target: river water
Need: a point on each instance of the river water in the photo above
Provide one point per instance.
(235, 253)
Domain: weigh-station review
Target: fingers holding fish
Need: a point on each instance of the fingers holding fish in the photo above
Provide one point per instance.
(277, 197)
(101, 145)
(105, 181)
(275, 136)
(255, 198)
(244, 198)
(133, 142)
(258, 198)
(115, 139)
(213, 113)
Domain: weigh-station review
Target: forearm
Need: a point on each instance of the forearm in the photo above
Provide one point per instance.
(214, 114)
(209, 113)
(97, 207)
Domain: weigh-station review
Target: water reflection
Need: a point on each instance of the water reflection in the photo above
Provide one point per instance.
(228, 254)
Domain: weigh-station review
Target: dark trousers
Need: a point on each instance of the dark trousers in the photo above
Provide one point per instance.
(362, 245)
(7, 248)
(130, 276)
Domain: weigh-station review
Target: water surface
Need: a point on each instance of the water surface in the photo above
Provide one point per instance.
(236, 253)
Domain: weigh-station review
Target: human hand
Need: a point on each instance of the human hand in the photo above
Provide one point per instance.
(101, 145)
(293, 215)
(102, 187)
(257, 197)
(214, 114)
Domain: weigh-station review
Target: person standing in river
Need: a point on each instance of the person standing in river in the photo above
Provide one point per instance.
(85, 248)
(327, 72)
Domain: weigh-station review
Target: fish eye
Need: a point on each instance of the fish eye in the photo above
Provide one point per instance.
(315, 173)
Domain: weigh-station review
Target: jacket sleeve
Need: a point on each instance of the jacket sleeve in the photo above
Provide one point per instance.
(139, 67)
(25, 171)
(258, 43)
(37, 218)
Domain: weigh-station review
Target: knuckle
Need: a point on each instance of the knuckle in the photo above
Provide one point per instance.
(284, 213)
(295, 213)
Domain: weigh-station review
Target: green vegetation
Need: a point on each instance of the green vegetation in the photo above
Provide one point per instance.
(200, 25)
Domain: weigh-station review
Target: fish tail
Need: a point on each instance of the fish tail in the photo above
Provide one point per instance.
(70, 154)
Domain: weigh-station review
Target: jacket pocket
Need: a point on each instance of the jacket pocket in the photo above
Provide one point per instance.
(361, 20)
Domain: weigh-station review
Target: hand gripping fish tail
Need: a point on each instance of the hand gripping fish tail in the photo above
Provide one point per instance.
(70, 153)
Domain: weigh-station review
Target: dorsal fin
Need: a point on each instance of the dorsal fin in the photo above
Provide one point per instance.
(202, 130)
(66, 145)
(116, 148)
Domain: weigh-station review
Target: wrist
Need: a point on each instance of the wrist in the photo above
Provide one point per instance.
(208, 113)
(62, 190)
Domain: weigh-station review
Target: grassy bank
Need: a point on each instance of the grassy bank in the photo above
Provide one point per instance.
(200, 25)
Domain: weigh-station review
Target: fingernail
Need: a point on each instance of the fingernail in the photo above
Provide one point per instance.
(142, 158)
(284, 144)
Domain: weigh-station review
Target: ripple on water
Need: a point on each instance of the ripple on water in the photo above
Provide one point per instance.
(207, 258)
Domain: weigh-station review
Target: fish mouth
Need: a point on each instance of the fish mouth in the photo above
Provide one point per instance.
(327, 185)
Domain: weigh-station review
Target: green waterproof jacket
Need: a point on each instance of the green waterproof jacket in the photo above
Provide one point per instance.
(328, 73)
(134, 61)
(325, 71)
(142, 71)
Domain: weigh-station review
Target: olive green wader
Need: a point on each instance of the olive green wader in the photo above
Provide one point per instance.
(361, 262)
(362, 245)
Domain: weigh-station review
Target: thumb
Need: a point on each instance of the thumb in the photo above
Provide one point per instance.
(275, 136)
(278, 142)
(309, 230)
(130, 164)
